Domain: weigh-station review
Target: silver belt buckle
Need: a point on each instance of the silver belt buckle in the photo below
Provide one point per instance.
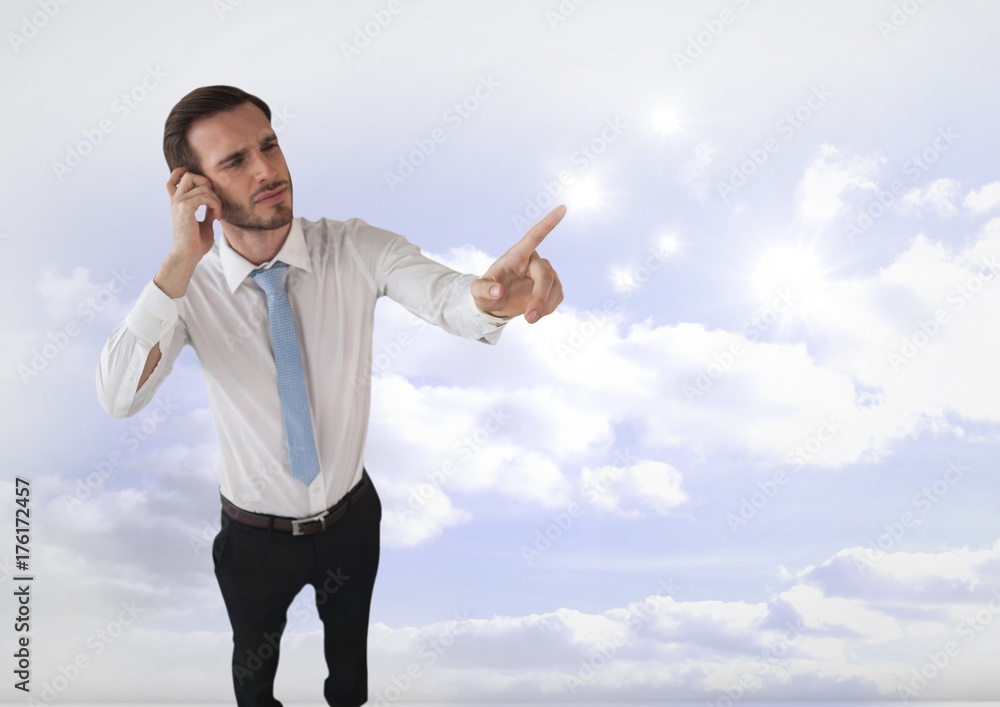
(320, 518)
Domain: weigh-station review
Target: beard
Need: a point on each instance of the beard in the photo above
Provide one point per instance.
(244, 218)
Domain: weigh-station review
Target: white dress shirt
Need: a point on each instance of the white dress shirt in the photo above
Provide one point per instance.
(337, 271)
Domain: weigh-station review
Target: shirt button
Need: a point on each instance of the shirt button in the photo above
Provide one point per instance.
(164, 325)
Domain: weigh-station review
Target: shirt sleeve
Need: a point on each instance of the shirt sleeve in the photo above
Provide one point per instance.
(154, 319)
(429, 289)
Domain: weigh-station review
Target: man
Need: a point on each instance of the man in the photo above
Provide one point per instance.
(280, 313)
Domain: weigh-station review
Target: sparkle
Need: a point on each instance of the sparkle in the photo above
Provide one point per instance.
(666, 121)
(792, 268)
(623, 280)
(667, 244)
(583, 193)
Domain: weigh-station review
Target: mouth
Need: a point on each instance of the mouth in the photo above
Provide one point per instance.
(275, 196)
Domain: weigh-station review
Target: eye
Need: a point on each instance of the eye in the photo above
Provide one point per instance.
(270, 146)
(235, 163)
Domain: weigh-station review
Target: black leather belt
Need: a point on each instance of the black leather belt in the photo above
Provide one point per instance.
(300, 526)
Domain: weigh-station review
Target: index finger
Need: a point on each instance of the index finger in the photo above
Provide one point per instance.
(536, 234)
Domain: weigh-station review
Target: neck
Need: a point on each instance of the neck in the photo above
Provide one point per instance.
(258, 247)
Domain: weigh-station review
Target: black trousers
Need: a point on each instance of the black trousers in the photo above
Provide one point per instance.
(260, 572)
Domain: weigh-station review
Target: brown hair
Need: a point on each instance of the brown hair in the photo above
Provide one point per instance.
(200, 103)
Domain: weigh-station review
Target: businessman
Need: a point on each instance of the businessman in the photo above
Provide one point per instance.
(280, 312)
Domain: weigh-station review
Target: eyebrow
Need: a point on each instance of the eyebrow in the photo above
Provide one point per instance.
(270, 137)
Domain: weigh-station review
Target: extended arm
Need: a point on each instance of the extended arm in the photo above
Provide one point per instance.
(519, 282)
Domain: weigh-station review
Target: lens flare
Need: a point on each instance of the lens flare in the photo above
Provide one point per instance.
(788, 268)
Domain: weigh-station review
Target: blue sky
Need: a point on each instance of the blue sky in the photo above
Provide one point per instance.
(752, 457)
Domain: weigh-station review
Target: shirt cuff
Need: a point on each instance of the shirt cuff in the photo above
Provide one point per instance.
(495, 321)
(154, 314)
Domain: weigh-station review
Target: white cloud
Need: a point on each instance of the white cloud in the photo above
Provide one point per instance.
(939, 197)
(459, 440)
(16, 352)
(67, 310)
(849, 624)
(891, 355)
(646, 483)
(822, 612)
(79, 297)
(808, 641)
(981, 200)
(914, 331)
(827, 179)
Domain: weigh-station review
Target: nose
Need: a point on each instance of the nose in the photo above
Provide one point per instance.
(263, 170)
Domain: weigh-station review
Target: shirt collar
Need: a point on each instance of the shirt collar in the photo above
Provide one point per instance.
(293, 251)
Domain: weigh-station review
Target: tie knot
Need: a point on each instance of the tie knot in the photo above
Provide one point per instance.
(273, 278)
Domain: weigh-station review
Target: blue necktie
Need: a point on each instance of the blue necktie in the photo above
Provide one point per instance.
(291, 380)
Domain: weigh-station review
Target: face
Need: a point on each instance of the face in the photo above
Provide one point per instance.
(238, 151)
